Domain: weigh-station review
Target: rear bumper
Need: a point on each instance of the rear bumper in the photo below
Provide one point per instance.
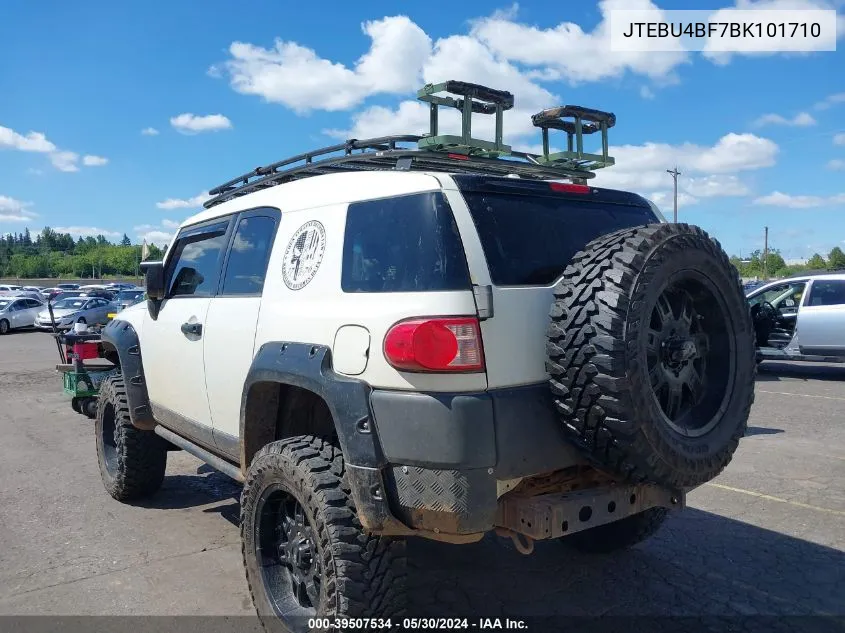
(449, 455)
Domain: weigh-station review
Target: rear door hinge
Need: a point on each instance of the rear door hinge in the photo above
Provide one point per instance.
(483, 301)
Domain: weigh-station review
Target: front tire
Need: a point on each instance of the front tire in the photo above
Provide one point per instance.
(619, 535)
(4, 326)
(304, 551)
(132, 461)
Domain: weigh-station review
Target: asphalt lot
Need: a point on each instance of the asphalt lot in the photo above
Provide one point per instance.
(767, 537)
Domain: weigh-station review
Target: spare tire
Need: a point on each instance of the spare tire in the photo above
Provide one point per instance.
(651, 355)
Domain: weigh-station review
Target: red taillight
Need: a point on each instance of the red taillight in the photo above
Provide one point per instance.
(565, 187)
(458, 156)
(432, 345)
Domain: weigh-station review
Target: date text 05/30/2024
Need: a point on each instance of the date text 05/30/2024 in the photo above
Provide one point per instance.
(422, 624)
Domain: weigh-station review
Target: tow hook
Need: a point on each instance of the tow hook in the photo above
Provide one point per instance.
(523, 544)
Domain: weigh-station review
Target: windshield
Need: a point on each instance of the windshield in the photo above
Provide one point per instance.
(129, 295)
(528, 239)
(69, 304)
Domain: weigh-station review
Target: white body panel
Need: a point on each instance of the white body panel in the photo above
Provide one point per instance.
(228, 339)
(173, 361)
(19, 316)
(315, 313)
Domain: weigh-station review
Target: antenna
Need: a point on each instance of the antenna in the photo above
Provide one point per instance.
(675, 173)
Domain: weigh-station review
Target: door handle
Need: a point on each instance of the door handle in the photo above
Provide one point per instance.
(192, 328)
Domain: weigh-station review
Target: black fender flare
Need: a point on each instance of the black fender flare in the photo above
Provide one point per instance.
(310, 367)
(124, 339)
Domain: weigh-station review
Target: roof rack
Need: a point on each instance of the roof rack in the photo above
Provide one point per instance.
(451, 153)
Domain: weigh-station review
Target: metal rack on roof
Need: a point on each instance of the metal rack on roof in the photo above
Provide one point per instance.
(443, 152)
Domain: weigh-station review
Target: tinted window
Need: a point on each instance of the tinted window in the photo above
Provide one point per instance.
(827, 293)
(403, 244)
(67, 304)
(530, 239)
(194, 266)
(248, 255)
(33, 303)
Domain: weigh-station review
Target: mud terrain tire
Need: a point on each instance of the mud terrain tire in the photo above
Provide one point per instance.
(296, 491)
(132, 461)
(651, 355)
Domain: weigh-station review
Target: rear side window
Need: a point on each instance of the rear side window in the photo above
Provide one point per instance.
(247, 265)
(827, 293)
(403, 244)
(528, 239)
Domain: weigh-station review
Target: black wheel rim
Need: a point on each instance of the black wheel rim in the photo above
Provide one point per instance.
(109, 439)
(288, 557)
(689, 354)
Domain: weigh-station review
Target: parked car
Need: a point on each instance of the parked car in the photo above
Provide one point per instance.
(49, 293)
(65, 294)
(18, 312)
(68, 286)
(32, 289)
(800, 318)
(128, 297)
(6, 290)
(70, 310)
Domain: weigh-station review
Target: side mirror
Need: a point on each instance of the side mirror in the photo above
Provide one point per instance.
(154, 279)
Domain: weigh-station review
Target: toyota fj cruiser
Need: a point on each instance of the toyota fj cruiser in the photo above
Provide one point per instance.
(429, 336)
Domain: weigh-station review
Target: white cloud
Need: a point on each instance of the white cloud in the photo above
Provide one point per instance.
(170, 224)
(778, 199)
(646, 92)
(576, 55)
(94, 161)
(298, 78)
(836, 164)
(149, 131)
(188, 123)
(65, 161)
(31, 142)
(154, 234)
(839, 139)
(830, 101)
(62, 160)
(802, 119)
(86, 231)
(179, 203)
(12, 210)
(706, 171)
(713, 50)
(10, 204)
(716, 186)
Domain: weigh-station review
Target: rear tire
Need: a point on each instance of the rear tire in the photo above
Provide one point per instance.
(132, 462)
(4, 326)
(619, 535)
(296, 492)
(651, 355)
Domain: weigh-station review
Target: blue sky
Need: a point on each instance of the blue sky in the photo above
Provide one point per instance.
(760, 139)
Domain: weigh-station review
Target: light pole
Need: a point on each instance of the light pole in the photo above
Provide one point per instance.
(675, 173)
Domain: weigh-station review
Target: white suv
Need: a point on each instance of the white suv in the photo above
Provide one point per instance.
(436, 341)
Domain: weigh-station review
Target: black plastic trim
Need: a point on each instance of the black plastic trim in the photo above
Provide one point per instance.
(310, 367)
(123, 337)
(513, 430)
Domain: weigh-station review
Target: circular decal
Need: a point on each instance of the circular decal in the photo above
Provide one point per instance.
(304, 254)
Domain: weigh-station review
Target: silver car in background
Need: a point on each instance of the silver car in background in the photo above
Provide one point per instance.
(800, 318)
(71, 310)
(18, 312)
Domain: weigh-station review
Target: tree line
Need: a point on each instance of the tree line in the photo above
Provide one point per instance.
(777, 267)
(53, 254)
